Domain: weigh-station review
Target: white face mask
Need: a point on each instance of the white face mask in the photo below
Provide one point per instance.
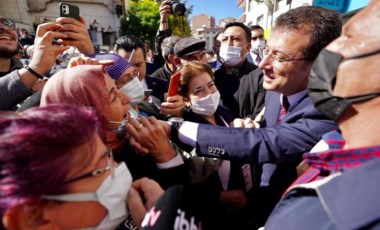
(257, 45)
(111, 194)
(230, 55)
(207, 105)
(133, 90)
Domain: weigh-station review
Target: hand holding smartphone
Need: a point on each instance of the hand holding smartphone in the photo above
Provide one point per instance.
(68, 10)
(174, 84)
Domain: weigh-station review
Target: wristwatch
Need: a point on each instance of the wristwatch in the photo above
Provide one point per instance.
(175, 123)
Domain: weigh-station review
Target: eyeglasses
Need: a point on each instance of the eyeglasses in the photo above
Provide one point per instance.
(128, 78)
(109, 167)
(277, 58)
(8, 23)
(260, 37)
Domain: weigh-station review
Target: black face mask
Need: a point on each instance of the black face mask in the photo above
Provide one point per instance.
(322, 81)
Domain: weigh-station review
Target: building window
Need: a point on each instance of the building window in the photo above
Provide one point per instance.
(260, 20)
(277, 5)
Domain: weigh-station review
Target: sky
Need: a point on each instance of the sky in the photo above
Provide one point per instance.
(218, 8)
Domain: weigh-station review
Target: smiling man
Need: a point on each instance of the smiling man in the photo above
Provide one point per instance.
(16, 81)
(291, 126)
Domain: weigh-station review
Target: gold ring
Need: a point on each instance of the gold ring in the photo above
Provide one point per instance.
(140, 126)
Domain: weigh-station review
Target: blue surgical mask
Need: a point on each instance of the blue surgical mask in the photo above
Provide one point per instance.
(121, 129)
(111, 194)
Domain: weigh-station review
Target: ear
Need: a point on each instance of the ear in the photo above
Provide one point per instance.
(177, 61)
(249, 45)
(171, 58)
(23, 217)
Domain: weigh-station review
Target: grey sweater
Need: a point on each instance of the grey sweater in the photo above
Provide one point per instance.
(12, 89)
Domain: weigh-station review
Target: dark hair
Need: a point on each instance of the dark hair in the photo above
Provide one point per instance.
(190, 70)
(36, 150)
(129, 43)
(256, 27)
(167, 46)
(324, 26)
(247, 31)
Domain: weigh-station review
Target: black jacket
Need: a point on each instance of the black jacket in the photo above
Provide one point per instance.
(242, 91)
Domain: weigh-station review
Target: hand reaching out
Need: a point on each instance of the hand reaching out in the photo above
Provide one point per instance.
(143, 189)
(150, 136)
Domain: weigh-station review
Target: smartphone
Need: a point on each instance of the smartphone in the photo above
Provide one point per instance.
(174, 84)
(69, 10)
(147, 92)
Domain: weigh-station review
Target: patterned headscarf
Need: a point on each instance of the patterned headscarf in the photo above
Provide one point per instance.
(83, 85)
(115, 70)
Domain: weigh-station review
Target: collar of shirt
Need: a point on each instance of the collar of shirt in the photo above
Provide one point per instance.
(295, 98)
(167, 70)
(336, 159)
(144, 84)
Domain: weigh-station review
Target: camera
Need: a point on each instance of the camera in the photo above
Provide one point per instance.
(178, 8)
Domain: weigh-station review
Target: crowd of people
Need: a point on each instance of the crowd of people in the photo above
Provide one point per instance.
(276, 133)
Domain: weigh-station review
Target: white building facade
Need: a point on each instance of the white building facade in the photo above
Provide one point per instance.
(29, 13)
(265, 12)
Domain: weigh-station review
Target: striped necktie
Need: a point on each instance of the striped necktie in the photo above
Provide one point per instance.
(284, 108)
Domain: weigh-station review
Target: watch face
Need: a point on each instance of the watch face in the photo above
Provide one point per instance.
(176, 121)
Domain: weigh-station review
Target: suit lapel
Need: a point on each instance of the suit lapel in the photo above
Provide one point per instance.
(272, 108)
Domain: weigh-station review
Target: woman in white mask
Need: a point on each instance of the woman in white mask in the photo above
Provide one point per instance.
(125, 77)
(90, 86)
(61, 175)
(127, 81)
(202, 97)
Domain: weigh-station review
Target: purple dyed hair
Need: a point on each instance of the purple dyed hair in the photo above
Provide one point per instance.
(36, 150)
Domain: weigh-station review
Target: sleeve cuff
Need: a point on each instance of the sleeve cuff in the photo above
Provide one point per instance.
(176, 161)
(187, 133)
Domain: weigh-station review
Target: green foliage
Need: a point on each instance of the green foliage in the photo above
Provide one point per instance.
(143, 18)
(180, 25)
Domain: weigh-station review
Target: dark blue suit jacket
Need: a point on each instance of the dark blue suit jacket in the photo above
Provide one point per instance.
(348, 201)
(298, 132)
(279, 143)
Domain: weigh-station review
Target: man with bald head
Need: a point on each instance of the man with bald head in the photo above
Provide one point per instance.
(341, 188)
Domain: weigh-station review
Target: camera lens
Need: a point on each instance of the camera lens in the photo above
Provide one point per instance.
(178, 8)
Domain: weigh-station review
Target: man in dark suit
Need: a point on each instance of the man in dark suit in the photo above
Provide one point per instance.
(239, 81)
(291, 123)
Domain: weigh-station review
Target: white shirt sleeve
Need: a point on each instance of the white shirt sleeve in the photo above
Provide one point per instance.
(187, 133)
(176, 161)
